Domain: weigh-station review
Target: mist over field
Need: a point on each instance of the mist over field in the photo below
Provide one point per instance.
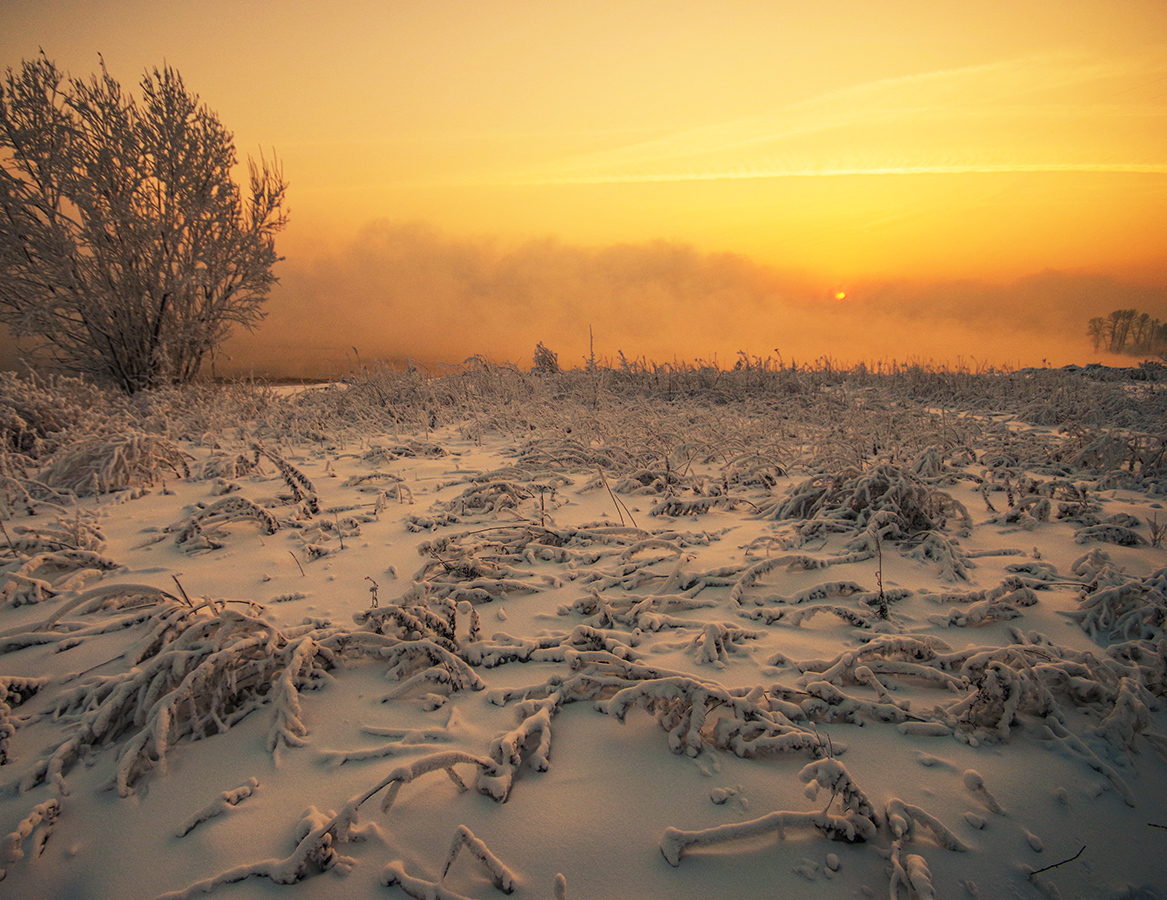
(402, 291)
(406, 291)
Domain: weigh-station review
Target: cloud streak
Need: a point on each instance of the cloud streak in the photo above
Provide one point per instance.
(933, 169)
(1010, 116)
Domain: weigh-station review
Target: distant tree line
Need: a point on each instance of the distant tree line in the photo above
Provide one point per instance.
(1129, 332)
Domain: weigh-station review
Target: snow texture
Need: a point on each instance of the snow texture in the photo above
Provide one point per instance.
(806, 628)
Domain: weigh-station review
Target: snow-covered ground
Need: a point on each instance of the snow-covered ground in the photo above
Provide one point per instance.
(719, 637)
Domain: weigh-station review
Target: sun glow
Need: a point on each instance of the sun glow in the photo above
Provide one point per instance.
(519, 165)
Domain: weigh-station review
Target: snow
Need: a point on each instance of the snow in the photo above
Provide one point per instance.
(536, 635)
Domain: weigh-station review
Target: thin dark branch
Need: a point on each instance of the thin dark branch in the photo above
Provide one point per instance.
(1055, 865)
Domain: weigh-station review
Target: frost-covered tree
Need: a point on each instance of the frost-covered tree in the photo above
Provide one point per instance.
(1096, 328)
(1129, 332)
(1118, 327)
(127, 251)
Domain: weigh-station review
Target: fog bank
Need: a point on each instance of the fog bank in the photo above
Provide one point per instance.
(405, 291)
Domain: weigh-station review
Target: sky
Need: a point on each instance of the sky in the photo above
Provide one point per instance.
(861, 181)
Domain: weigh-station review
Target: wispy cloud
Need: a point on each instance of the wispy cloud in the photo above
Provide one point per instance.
(1041, 114)
(941, 169)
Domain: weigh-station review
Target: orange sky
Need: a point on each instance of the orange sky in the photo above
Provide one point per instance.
(473, 177)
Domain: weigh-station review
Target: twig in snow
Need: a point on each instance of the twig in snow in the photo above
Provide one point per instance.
(182, 591)
(11, 546)
(1055, 865)
(224, 803)
(620, 507)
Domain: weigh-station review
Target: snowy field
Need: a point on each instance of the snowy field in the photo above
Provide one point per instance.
(635, 633)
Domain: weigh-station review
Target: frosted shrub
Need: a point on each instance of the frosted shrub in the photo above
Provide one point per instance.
(196, 533)
(101, 465)
(38, 415)
(887, 499)
(223, 677)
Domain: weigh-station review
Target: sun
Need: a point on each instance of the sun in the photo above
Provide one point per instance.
(840, 295)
